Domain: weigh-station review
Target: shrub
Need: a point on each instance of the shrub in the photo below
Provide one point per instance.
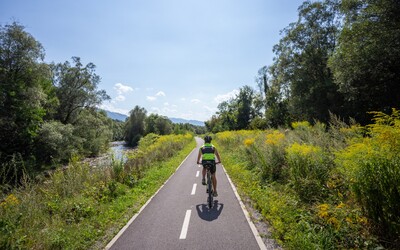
(372, 166)
(309, 170)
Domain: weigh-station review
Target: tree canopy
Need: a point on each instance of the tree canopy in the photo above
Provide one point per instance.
(340, 57)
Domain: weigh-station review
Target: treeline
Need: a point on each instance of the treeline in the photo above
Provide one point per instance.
(140, 124)
(340, 57)
(47, 111)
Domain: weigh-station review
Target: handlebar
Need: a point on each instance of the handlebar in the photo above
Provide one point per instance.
(215, 163)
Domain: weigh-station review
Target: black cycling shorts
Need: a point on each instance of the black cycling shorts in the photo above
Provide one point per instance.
(213, 167)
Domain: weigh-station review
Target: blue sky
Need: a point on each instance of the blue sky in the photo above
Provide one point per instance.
(177, 58)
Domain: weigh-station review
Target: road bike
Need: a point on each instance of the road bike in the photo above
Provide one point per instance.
(210, 197)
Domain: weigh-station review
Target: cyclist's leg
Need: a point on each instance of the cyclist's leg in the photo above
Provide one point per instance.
(203, 180)
(214, 178)
(214, 181)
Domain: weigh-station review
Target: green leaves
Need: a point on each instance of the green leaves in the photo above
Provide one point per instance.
(366, 61)
(76, 89)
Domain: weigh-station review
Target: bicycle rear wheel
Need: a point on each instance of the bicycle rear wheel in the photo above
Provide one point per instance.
(210, 191)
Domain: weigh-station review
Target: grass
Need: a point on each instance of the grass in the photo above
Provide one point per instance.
(83, 208)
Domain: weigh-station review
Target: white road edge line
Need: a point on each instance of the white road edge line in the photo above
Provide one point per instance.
(259, 240)
(109, 245)
(194, 189)
(198, 173)
(185, 225)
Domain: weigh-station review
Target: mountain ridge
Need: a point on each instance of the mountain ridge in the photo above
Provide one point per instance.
(122, 117)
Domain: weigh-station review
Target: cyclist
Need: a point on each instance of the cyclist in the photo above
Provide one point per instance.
(207, 153)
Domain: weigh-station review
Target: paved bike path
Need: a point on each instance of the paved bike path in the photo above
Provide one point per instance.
(178, 219)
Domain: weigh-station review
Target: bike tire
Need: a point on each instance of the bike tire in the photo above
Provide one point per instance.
(210, 191)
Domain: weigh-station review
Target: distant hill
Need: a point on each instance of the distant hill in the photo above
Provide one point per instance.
(193, 122)
(116, 116)
(122, 117)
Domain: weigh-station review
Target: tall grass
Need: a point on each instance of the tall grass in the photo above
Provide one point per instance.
(82, 207)
(320, 187)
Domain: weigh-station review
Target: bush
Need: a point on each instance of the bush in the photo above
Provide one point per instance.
(309, 171)
(372, 166)
(56, 143)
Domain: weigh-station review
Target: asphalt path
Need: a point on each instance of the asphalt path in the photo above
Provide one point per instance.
(177, 217)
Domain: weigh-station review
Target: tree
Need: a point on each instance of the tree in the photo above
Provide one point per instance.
(157, 124)
(135, 126)
(76, 89)
(25, 85)
(93, 129)
(245, 109)
(56, 143)
(366, 61)
(236, 113)
(300, 65)
(274, 99)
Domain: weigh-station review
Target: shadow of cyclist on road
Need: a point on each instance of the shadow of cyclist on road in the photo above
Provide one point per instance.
(209, 214)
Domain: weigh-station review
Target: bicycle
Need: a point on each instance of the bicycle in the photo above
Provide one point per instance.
(208, 166)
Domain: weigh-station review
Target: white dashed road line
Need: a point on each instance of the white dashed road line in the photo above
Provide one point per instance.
(198, 173)
(194, 189)
(185, 225)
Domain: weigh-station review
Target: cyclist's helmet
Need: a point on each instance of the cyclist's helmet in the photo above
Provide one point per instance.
(207, 139)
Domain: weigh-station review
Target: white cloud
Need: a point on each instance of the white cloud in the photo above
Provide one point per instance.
(155, 110)
(195, 101)
(209, 108)
(166, 104)
(167, 111)
(120, 98)
(153, 98)
(121, 88)
(183, 99)
(227, 96)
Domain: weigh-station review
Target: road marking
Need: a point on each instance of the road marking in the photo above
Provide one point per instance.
(185, 225)
(116, 237)
(199, 165)
(194, 189)
(197, 174)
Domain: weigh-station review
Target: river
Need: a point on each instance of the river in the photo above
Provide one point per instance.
(118, 150)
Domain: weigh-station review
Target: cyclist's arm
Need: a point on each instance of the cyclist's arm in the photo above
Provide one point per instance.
(219, 157)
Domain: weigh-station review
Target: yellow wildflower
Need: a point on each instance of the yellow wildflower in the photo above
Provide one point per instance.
(9, 201)
(323, 207)
(303, 149)
(248, 142)
(300, 125)
(323, 214)
(340, 205)
(323, 210)
(275, 138)
(362, 220)
(334, 222)
(349, 220)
